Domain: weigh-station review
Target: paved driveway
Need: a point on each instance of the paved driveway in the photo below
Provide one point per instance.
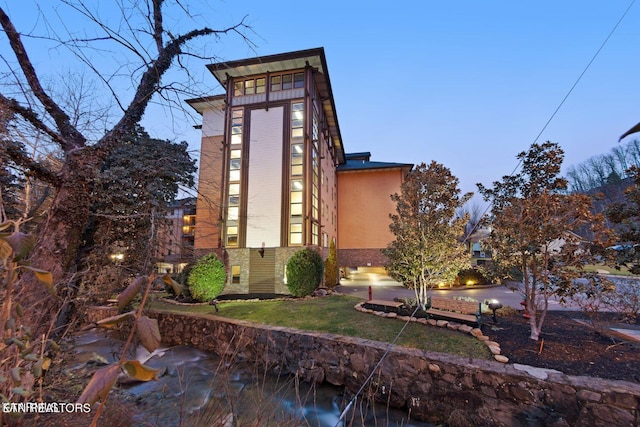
(385, 288)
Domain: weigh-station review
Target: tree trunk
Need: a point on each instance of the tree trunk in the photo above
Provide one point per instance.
(533, 321)
(58, 245)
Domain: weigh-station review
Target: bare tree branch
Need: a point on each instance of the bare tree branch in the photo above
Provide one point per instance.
(22, 159)
(30, 116)
(70, 138)
(157, 23)
(150, 80)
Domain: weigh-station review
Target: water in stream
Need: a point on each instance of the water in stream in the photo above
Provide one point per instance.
(197, 389)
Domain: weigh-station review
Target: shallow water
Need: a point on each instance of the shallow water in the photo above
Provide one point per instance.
(199, 389)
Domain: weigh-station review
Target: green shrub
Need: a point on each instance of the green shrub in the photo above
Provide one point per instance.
(207, 278)
(331, 267)
(471, 275)
(304, 272)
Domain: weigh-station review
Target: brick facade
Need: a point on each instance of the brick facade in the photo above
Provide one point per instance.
(361, 258)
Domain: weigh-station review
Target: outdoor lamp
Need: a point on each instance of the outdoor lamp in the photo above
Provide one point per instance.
(494, 305)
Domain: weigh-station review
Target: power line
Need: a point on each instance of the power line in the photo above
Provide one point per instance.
(553, 115)
(593, 58)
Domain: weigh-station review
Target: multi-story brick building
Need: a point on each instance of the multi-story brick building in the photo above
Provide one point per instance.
(176, 234)
(274, 176)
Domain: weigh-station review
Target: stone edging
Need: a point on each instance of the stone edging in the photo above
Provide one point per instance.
(493, 346)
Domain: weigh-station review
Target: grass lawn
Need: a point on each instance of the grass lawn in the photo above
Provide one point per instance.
(335, 314)
(622, 272)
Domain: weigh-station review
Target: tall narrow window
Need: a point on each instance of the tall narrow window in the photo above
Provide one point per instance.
(315, 179)
(296, 194)
(233, 190)
(297, 159)
(298, 80)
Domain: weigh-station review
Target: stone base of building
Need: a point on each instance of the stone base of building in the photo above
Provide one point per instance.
(261, 270)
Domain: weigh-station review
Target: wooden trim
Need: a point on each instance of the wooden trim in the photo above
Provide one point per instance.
(286, 174)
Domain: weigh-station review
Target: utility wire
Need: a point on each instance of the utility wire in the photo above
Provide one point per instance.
(375, 368)
(553, 115)
(593, 58)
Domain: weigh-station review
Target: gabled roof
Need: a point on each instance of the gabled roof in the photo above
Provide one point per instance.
(314, 58)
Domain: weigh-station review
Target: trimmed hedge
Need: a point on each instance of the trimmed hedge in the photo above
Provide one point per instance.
(304, 272)
(331, 267)
(207, 278)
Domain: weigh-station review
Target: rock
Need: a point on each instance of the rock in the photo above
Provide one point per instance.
(442, 323)
(500, 358)
(432, 322)
(391, 315)
(434, 368)
(320, 292)
(490, 343)
(453, 326)
(482, 338)
(422, 320)
(465, 328)
(588, 395)
(476, 332)
(494, 349)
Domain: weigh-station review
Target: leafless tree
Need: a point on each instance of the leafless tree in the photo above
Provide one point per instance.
(137, 58)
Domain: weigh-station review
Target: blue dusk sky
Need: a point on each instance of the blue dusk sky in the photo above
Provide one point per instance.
(466, 83)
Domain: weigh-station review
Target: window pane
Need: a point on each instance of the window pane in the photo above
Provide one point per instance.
(296, 209)
(296, 228)
(238, 89)
(296, 185)
(236, 129)
(234, 200)
(296, 170)
(233, 214)
(235, 274)
(232, 241)
(234, 164)
(298, 80)
(260, 85)
(234, 189)
(296, 158)
(232, 230)
(235, 154)
(237, 114)
(286, 81)
(296, 238)
(296, 197)
(234, 175)
(297, 106)
(236, 139)
(249, 88)
(276, 83)
(297, 133)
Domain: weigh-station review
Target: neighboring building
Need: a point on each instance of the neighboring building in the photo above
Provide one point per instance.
(176, 236)
(478, 248)
(272, 162)
(364, 205)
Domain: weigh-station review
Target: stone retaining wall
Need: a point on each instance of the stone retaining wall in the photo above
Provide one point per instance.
(438, 388)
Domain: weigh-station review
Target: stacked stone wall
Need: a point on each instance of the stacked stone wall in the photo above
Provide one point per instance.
(438, 388)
